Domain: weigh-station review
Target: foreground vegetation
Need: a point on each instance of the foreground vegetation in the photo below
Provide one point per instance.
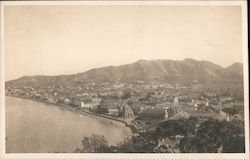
(210, 136)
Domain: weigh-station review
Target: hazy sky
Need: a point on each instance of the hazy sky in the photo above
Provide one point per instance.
(54, 40)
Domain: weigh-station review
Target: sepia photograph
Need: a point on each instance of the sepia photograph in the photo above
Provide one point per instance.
(120, 79)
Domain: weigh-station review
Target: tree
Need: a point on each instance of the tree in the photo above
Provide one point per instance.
(207, 139)
(231, 111)
(126, 95)
(234, 145)
(126, 146)
(101, 111)
(212, 136)
(174, 127)
(192, 144)
(144, 143)
(234, 139)
(94, 143)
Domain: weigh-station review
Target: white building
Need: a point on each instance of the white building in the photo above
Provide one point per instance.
(67, 101)
(176, 100)
(196, 106)
(83, 105)
(166, 112)
(113, 111)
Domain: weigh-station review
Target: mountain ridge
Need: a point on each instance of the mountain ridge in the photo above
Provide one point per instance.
(160, 70)
(236, 68)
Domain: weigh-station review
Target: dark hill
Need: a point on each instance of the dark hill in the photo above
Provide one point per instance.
(236, 68)
(165, 71)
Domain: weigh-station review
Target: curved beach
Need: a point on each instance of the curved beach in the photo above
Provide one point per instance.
(54, 128)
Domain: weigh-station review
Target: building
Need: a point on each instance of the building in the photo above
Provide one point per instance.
(96, 100)
(196, 106)
(110, 106)
(180, 115)
(37, 96)
(51, 100)
(176, 101)
(207, 103)
(128, 112)
(237, 119)
(89, 105)
(113, 111)
(67, 101)
(166, 112)
(83, 105)
(169, 112)
(152, 114)
(176, 105)
(169, 144)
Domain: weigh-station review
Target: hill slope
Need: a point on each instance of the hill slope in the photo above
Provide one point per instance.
(165, 71)
(236, 68)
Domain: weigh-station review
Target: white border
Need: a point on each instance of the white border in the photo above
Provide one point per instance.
(246, 74)
(150, 2)
(2, 88)
(245, 155)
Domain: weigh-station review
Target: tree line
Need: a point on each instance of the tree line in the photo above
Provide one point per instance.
(209, 136)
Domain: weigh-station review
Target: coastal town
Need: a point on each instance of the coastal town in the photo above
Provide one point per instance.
(168, 106)
(144, 106)
(144, 102)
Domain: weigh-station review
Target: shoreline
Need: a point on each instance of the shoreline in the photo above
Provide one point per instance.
(82, 112)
